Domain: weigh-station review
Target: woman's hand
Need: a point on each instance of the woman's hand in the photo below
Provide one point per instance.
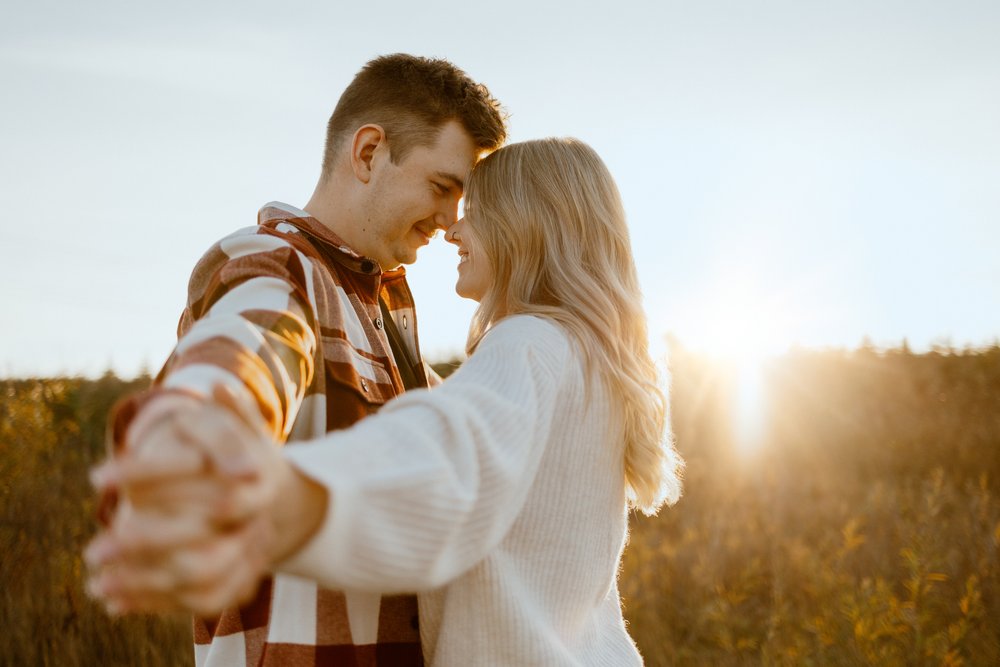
(208, 506)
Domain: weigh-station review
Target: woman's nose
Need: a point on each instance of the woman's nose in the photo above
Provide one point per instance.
(451, 234)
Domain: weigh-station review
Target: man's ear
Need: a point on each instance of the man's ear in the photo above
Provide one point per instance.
(366, 141)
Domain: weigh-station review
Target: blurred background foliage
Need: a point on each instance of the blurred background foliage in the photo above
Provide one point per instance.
(841, 509)
(858, 526)
(51, 433)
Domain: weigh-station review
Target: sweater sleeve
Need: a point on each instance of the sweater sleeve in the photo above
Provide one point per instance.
(422, 491)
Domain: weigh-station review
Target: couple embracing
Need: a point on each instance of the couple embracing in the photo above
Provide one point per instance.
(304, 484)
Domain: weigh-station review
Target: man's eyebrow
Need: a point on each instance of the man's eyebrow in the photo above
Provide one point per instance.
(458, 182)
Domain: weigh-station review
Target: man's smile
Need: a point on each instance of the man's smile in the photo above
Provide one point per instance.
(427, 234)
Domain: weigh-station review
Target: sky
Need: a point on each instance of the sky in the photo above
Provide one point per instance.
(794, 173)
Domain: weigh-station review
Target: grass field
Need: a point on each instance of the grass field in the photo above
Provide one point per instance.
(841, 509)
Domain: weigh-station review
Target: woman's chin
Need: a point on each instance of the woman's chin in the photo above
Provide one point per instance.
(465, 294)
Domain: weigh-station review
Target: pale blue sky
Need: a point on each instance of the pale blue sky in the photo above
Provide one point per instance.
(793, 171)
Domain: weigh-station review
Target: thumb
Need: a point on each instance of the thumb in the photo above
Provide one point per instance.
(225, 440)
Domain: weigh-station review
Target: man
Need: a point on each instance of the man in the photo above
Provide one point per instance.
(307, 322)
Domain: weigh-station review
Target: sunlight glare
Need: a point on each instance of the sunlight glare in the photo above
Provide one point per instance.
(749, 406)
(742, 328)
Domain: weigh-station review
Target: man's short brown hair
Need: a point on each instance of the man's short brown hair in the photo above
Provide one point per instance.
(412, 98)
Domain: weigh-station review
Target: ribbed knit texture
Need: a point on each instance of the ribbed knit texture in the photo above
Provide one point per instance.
(500, 495)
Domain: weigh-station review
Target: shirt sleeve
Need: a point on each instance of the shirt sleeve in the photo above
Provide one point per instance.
(248, 325)
(425, 489)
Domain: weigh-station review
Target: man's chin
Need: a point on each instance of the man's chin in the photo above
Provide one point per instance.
(408, 257)
(400, 261)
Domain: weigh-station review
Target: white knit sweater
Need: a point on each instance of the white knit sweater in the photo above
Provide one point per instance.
(498, 495)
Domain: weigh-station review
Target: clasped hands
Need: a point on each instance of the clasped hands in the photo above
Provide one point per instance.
(197, 523)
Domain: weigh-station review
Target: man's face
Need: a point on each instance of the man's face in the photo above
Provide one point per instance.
(410, 201)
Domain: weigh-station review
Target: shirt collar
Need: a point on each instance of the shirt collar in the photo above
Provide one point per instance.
(276, 213)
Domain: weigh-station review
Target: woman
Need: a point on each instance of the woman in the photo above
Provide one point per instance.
(502, 495)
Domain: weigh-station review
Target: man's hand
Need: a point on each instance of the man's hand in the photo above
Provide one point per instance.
(195, 530)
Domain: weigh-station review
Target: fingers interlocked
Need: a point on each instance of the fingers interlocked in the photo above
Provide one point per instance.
(190, 532)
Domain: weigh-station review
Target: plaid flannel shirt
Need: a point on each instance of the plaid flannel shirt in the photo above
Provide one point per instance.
(287, 315)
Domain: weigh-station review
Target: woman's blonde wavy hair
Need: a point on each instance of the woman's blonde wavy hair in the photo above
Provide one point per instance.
(549, 218)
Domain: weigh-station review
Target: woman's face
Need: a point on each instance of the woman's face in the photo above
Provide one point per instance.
(475, 273)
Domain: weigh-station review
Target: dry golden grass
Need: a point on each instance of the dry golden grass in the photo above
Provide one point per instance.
(51, 432)
(862, 530)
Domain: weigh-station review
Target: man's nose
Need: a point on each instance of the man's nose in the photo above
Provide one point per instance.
(444, 220)
(448, 214)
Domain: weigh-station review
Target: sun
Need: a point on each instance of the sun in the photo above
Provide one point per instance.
(739, 323)
(742, 327)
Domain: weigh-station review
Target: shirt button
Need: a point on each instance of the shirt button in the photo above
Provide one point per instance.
(364, 385)
(378, 322)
